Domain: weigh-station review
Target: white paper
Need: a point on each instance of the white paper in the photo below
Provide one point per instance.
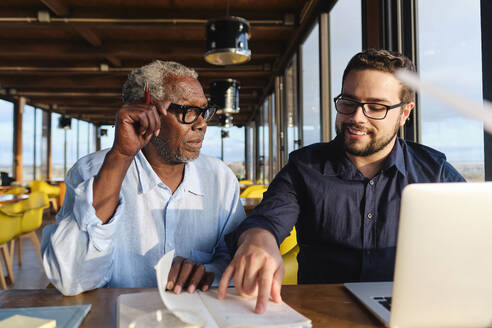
(184, 301)
(237, 311)
(478, 111)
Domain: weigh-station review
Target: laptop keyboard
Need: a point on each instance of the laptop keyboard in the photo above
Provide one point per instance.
(384, 301)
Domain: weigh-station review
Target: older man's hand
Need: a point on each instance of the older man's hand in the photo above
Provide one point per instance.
(186, 274)
(257, 268)
(136, 124)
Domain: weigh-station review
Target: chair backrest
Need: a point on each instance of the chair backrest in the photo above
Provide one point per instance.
(289, 242)
(36, 200)
(257, 189)
(40, 185)
(10, 227)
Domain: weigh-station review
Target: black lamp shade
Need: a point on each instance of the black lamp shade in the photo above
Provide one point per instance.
(64, 122)
(224, 94)
(227, 41)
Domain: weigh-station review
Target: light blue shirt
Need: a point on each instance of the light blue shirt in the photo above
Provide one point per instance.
(80, 253)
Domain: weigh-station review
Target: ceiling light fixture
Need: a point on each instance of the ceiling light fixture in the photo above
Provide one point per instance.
(224, 94)
(227, 40)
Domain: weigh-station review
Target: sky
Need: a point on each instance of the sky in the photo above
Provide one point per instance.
(449, 48)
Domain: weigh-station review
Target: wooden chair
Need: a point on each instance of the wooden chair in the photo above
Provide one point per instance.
(31, 211)
(10, 227)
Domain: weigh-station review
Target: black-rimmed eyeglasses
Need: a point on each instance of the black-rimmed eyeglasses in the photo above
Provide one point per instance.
(371, 110)
(189, 114)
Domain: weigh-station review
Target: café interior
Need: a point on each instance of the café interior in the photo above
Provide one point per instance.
(271, 67)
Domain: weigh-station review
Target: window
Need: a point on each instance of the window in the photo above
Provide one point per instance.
(450, 56)
(274, 131)
(260, 145)
(106, 140)
(290, 110)
(57, 148)
(345, 42)
(233, 147)
(311, 127)
(7, 136)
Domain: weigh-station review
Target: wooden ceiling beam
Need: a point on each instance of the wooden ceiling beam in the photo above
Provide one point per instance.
(121, 49)
(88, 35)
(57, 6)
(61, 83)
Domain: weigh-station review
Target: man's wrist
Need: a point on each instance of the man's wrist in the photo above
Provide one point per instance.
(115, 156)
(253, 232)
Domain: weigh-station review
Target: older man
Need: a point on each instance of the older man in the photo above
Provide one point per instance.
(342, 196)
(150, 193)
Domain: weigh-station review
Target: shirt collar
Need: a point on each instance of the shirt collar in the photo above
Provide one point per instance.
(396, 158)
(339, 165)
(148, 179)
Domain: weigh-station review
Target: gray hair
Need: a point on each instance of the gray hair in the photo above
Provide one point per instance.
(158, 75)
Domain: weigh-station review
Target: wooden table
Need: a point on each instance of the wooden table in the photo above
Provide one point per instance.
(249, 204)
(325, 305)
(5, 199)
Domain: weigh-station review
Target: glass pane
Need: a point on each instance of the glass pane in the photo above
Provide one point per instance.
(274, 135)
(290, 108)
(83, 132)
(106, 140)
(310, 88)
(211, 142)
(450, 55)
(234, 151)
(7, 136)
(233, 147)
(57, 148)
(260, 142)
(266, 143)
(345, 42)
(28, 143)
(39, 144)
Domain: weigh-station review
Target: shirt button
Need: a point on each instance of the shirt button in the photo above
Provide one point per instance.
(169, 244)
(369, 216)
(371, 182)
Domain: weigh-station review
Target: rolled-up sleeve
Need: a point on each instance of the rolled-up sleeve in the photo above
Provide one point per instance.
(77, 251)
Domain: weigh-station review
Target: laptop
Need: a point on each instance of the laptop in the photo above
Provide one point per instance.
(443, 270)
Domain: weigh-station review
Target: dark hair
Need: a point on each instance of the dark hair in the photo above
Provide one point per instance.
(384, 61)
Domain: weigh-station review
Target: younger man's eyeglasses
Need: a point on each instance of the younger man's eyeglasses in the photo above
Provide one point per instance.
(373, 111)
(189, 114)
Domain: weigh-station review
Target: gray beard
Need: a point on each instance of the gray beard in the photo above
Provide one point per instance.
(167, 155)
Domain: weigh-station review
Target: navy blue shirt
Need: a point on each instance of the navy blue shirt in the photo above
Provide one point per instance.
(346, 223)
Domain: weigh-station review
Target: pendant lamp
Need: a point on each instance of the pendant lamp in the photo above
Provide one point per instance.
(224, 94)
(227, 40)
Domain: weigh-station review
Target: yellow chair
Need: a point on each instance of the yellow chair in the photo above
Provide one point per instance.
(245, 182)
(19, 190)
(289, 250)
(53, 192)
(31, 211)
(254, 191)
(10, 227)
